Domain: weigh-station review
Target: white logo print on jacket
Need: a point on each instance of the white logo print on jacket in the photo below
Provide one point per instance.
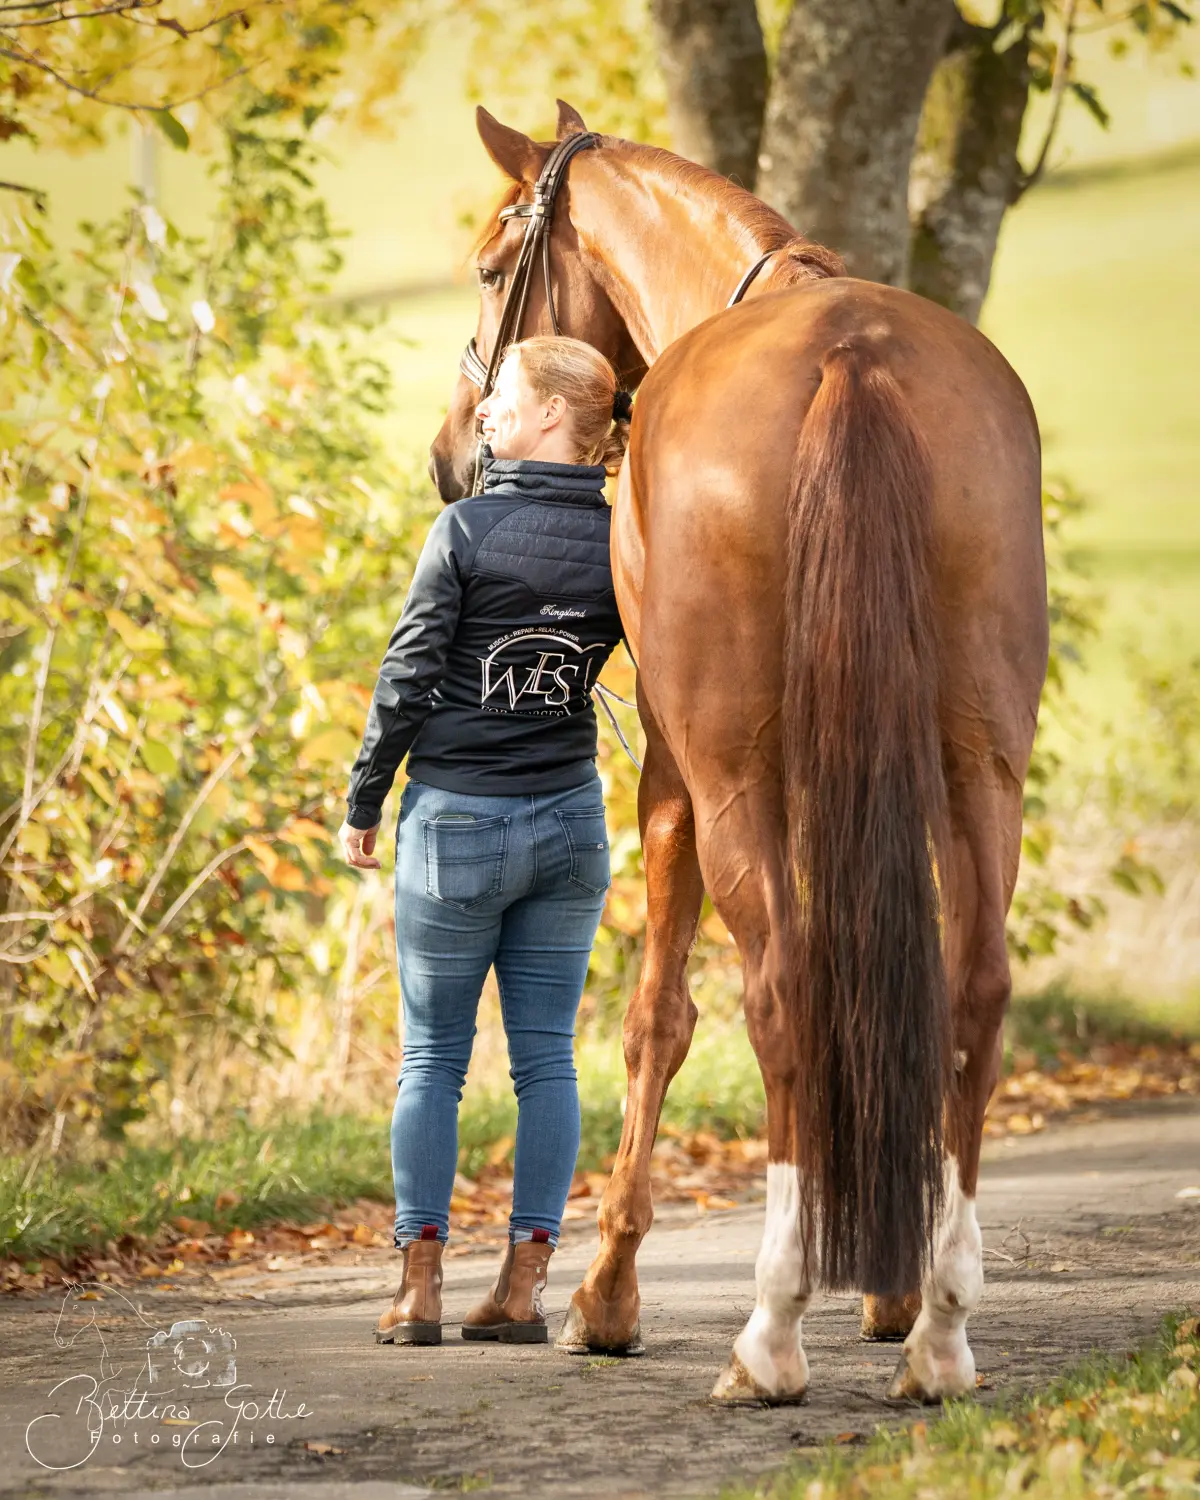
(535, 670)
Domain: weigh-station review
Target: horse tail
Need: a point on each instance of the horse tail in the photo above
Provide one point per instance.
(866, 816)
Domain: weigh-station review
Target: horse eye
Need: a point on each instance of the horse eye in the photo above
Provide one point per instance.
(489, 278)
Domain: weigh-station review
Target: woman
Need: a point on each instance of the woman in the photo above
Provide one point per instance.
(501, 849)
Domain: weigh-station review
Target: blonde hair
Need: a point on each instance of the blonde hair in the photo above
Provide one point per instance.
(587, 383)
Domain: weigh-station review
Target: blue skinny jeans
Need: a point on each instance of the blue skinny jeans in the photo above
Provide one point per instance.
(516, 883)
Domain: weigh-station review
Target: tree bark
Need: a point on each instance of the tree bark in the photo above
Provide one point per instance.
(841, 124)
(714, 63)
(965, 171)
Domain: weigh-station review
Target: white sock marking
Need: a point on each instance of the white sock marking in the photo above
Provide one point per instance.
(770, 1344)
(937, 1349)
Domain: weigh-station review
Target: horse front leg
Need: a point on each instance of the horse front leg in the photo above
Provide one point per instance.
(604, 1312)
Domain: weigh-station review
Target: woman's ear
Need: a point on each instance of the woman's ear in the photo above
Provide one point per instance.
(515, 154)
(553, 412)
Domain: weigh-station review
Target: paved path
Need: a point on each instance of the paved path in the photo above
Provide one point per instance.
(1104, 1247)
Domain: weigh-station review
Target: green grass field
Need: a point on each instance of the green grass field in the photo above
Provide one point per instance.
(1094, 302)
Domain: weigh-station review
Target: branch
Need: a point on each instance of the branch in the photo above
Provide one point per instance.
(34, 5)
(28, 61)
(168, 855)
(1058, 85)
(119, 8)
(26, 812)
(189, 891)
(38, 196)
(28, 957)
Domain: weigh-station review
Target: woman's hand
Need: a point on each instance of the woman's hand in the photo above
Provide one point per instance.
(358, 845)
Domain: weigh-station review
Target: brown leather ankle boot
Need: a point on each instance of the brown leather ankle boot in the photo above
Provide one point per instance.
(415, 1316)
(512, 1312)
(486, 1316)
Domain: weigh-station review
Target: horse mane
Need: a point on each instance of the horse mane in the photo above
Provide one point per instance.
(766, 230)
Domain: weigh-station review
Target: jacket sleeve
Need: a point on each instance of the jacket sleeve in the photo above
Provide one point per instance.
(412, 667)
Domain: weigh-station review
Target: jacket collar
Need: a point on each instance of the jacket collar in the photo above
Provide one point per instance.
(533, 479)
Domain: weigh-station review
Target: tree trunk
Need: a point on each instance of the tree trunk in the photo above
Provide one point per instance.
(841, 124)
(714, 64)
(965, 172)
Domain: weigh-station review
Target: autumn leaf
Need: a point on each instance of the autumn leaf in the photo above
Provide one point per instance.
(160, 758)
(306, 828)
(139, 638)
(234, 587)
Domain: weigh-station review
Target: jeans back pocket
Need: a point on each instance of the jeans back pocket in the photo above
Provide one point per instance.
(464, 858)
(587, 840)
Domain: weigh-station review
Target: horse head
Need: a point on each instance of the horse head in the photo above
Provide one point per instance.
(581, 302)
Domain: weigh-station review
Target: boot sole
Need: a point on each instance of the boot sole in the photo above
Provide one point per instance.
(410, 1334)
(508, 1333)
(523, 1333)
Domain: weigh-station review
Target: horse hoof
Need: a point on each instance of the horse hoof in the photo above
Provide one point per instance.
(887, 1320)
(737, 1387)
(578, 1338)
(907, 1386)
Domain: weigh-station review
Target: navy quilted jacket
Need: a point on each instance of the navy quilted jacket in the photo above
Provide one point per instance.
(486, 684)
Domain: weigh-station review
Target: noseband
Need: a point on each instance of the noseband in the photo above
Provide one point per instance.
(539, 215)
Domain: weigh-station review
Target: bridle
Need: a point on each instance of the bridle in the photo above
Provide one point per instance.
(539, 213)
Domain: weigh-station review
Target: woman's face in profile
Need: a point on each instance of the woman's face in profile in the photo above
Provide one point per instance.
(513, 420)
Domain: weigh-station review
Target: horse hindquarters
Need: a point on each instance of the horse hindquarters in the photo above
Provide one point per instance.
(866, 808)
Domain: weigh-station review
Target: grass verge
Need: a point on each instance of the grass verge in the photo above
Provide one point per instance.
(1110, 1427)
(1058, 1019)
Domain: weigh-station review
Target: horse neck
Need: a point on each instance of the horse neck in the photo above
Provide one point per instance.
(668, 241)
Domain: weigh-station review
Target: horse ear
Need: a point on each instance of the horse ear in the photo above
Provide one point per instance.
(515, 154)
(570, 121)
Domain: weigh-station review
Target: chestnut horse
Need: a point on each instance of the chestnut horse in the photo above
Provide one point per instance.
(827, 547)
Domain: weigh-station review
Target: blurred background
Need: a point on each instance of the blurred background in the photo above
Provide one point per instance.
(234, 283)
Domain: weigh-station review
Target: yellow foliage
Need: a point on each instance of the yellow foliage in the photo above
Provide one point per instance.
(332, 746)
(235, 587)
(137, 637)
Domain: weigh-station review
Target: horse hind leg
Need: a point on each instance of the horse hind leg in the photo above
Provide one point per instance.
(937, 1361)
(604, 1312)
(768, 1364)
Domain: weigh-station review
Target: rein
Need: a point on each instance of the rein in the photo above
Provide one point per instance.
(540, 214)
